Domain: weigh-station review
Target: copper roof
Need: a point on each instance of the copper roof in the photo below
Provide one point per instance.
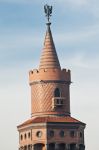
(48, 119)
(49, 58)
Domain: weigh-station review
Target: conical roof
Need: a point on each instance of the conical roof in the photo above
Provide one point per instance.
(49, 58)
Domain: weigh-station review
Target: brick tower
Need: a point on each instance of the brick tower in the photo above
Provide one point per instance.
(51, 126)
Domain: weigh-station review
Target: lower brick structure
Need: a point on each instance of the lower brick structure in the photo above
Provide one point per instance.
(51, 133)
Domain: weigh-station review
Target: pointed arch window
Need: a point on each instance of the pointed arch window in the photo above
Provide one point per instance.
(57, 100)
(57, 92)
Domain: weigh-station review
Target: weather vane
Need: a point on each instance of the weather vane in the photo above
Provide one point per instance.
(48, 12)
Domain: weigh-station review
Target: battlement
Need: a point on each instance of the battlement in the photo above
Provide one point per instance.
(49, 74)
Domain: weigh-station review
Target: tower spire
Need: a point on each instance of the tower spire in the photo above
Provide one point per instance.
(49, 58)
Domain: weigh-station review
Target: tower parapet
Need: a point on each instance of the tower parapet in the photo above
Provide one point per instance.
(49, 74)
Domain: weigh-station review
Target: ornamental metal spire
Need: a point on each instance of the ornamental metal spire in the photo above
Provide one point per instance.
(48, 12)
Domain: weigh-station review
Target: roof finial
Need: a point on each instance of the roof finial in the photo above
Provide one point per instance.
(48, 12)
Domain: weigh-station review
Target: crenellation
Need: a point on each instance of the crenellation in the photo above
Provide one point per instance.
(45, 70)
(30, 72)
(35, 71)
(64, 70)
(49, 74)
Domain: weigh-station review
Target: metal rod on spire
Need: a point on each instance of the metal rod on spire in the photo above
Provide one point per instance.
(48, 12)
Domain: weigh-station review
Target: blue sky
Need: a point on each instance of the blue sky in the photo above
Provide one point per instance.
(75, 28)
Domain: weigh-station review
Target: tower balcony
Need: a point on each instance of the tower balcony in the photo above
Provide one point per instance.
(57, 102)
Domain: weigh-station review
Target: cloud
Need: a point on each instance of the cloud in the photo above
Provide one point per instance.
(89, 6)
(55, 2)
(74, 37)
(85, 6)
(25, 39)
(21, 45)
(76, 3)
(13, 1)
(80, 60)
(84, 34)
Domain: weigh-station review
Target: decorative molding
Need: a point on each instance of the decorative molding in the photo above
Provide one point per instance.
(50, 81)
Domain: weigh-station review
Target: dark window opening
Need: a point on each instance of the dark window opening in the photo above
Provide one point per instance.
(29, 147)
(57, 93)
(51, 133)
(72, 146)
(51, 146)
(81, 134)
(25, 147)
(72, 133)
(58, 101)
(25, 136)
(62, 134)
(39, 146)
(62, 146)
(21, 137)
(29, 135)
(81, 147)
(61, 101)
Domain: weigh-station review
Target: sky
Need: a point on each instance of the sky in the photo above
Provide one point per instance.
(75, 28)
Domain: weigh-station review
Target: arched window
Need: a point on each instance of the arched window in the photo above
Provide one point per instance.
(62, 133)
(81, 134)
(61, 146)
(57, 92)
(21, 137)
(29, 147)
(52, 146)
(51, 133)
(29, 134)
(25, 147)
(73, 146)
(25, 136)
(39, 146)
(72, 133)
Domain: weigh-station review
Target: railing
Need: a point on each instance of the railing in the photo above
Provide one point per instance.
(57, 102)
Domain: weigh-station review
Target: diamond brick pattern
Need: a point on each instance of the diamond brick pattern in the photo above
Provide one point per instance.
(42, 95)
